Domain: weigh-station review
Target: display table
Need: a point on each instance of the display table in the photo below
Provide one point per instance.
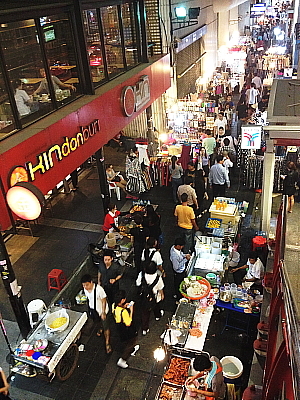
(234, 317)
(129, 204)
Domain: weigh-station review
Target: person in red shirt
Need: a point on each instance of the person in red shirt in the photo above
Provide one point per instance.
(110, 223)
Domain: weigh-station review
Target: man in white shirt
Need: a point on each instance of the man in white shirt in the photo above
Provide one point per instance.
(252, 271)
(258, 82)
(220, 121)
(97, 307)
(252, 95)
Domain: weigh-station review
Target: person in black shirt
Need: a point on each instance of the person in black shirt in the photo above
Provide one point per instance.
(109, 275)
(139, 235)
(152, 221)
(289, 184)
(198, 182)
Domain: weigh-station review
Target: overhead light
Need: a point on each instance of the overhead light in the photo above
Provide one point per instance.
(180, 12)
(159, 354)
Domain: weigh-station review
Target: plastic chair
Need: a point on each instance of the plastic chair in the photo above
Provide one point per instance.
(113, 187)
(36, 308)
(56, 279)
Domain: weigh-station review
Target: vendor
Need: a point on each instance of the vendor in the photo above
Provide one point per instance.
(110, 223)
(252, 271)
(211, 368)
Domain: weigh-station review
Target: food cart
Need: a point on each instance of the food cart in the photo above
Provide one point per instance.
(51, 349)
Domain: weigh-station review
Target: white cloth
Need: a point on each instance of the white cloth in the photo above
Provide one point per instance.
(255, 270)
(143, 155)
(100, 295)
(221, 123)
(227, 164)
(234, 259)
(22, 98)
(150, 279)
(155, 256)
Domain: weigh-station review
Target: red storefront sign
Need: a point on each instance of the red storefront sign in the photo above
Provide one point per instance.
(106, 111)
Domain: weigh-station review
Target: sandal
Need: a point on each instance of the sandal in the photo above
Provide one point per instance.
(99, 333)
(108, 349)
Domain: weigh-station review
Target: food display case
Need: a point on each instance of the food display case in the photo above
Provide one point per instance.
(51, 348)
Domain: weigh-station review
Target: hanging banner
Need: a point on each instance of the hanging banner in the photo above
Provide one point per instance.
(251, 137)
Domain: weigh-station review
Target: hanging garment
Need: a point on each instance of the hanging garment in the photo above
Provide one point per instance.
(143, 155)
(185, 155)
(135, 182)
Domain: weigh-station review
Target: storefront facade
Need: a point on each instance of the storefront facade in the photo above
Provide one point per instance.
(49, 154)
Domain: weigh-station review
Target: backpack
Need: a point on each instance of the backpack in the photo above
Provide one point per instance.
(147, 295)
(148, 258)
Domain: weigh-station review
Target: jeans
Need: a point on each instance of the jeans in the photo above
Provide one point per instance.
(176, 182)
(188, 236)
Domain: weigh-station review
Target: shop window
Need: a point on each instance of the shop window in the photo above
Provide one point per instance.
(22, 56)
(94, 46)
(130, 35)
(60, 52)
(6, 119)
(112, 40)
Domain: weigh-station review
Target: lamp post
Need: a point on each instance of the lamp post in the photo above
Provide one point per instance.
(11, 287)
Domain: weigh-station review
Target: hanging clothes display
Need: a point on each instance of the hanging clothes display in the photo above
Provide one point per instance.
(135, 181)
(185, 155)
(159, 171)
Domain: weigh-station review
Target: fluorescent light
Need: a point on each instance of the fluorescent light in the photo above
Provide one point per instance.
(180, 12)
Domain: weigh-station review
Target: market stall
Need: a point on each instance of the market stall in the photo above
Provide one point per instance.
(51, 348)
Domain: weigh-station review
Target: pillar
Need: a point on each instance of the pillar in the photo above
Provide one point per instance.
(267, 187)
(100, 162)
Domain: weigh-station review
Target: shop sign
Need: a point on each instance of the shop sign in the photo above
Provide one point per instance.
(25, 200)
(251, 137)
(136, 97)
(46, 160)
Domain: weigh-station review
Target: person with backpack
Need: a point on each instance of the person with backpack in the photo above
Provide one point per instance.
(152, 294)
(150, 253)
(123, 314)
(139, 236)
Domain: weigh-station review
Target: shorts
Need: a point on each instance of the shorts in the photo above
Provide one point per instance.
(206, 170)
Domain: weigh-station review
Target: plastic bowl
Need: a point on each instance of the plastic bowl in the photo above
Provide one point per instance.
(201, 280)
(232, 367)
(57, 314)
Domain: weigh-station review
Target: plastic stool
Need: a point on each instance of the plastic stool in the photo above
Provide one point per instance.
(259, 243)
(56, 279)
(37, 307)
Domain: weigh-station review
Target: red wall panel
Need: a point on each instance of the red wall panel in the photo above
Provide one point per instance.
(106, 108)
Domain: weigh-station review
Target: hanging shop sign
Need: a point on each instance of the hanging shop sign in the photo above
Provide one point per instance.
(46, 159)
(251, 137)
(134, 98)
(25, 200)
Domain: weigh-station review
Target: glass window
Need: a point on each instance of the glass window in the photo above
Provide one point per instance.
(22, 55)
(93, 45)
(59, 46)
(112, 40)
(6, 119)
(130, 35)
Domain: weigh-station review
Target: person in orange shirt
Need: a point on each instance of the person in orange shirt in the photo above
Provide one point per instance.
(186, 222)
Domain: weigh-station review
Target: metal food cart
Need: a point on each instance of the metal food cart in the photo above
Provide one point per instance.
(60, 356)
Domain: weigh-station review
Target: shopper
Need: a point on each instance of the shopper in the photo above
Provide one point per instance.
(211, 369)
(109, 274)
(151, 254)
(139, 235)
(178, 260)
(252, 271)
(220, 121)
(190, 191)
(203, 163)
(176, 173)
(152, 294)
(151, 221)
(186, 221)
(218, 178)
(209, 144)
(4, 386)
(257, 82)
(289, 184)
(252, 95)
(97, 307)
(123, 314)
(198, 182)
